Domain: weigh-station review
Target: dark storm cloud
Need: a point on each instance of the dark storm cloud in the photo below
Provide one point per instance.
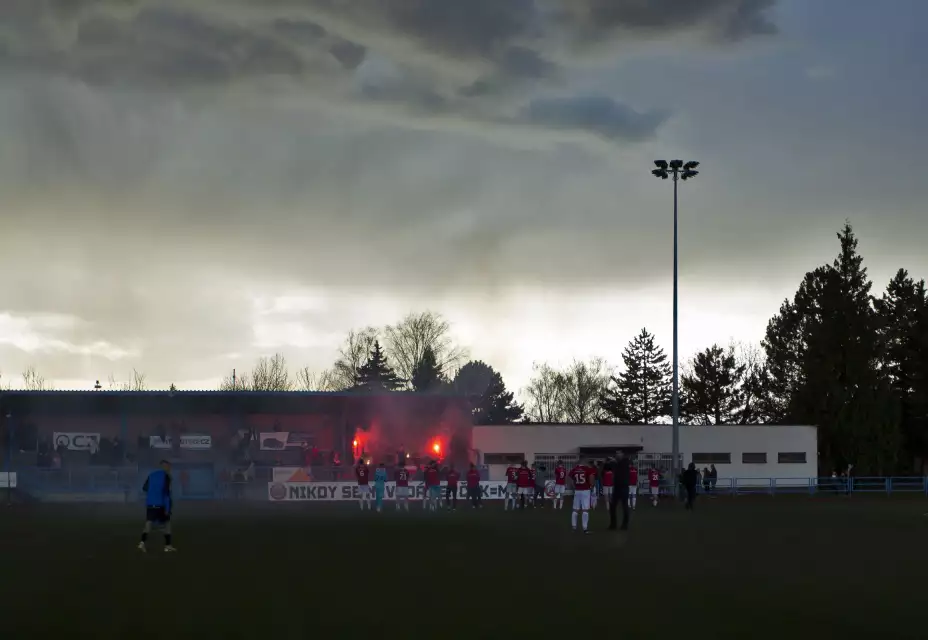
(164, 161)
(593, 22)
(459, 58)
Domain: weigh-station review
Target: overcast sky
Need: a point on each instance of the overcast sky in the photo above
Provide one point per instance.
(187, 185)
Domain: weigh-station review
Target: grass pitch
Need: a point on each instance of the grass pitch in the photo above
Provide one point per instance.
(744, 567)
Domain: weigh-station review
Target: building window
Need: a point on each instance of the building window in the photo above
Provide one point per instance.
(503, 458)
(754, 458)
(711, 458)
(794, 457)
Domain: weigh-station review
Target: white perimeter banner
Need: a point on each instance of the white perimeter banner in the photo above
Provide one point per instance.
(75, 441)
(186, 442)
(7, 479)
(344, 491)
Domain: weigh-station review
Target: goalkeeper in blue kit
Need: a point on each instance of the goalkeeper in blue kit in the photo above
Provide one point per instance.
(158, 505)
(380, 485)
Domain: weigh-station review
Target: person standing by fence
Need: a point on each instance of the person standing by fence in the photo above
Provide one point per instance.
(621, 474)
(690, 484)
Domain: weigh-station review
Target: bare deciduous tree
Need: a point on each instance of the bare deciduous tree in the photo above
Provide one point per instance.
(270, 374)
(235, 382)
(136, 382)
(583, 386)
(309, 380)
(32, 381)
(405, 344)
(352, 355)
(545, 394)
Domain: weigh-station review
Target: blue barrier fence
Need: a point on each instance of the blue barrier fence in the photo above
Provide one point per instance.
(812, 486)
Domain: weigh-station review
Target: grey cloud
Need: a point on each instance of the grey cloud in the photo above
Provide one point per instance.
(461, 58)
(591, 22)
(597, 114)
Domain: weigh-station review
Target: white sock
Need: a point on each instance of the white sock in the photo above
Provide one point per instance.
(573, 519)
(586, 519)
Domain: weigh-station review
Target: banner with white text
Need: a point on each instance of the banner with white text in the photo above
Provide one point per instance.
(346, 491)
(73, 441)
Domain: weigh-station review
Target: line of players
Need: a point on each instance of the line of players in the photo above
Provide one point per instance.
(589, 481)
(401, 476)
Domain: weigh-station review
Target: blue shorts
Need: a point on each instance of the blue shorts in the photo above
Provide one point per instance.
(435, 492)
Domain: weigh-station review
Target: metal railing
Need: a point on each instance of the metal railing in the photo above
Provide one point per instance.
(813, 486)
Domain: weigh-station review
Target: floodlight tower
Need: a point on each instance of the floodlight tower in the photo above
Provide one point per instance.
(678, 170)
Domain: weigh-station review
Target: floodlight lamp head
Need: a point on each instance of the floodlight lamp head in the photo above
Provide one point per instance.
(659, 173)
(689, 166)
(676, 164)
(686, 175)
(661, 164)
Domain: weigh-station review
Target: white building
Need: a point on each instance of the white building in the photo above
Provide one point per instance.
(753, 454)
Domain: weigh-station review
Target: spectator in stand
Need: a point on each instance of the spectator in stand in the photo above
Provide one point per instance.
(306, 456)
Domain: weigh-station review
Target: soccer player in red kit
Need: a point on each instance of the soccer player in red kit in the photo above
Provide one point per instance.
(583, 478)
(473, 486)
(363, 474)
(451, 495)
(432, 487)
(533, 479)
(524, 483)
(633, 486)
(654, 482)
(608, 480)
(560, 482)
(511, 477)
(401, 476)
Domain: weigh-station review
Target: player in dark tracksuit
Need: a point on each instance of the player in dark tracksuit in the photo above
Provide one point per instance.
(620, 466)
(158, 505)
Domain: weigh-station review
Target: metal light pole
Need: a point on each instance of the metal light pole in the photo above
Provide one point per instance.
(678, 170)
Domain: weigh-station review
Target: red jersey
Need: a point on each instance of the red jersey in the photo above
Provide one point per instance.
(473, 478)
(431, 477)
(654, 478)
(402, 477)
(453, 477)
(511, 474)
(560, 475)
(583, 477)
(633, 477)
(363, 474)
(532, 476)
(524, 478)
(608, 478)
